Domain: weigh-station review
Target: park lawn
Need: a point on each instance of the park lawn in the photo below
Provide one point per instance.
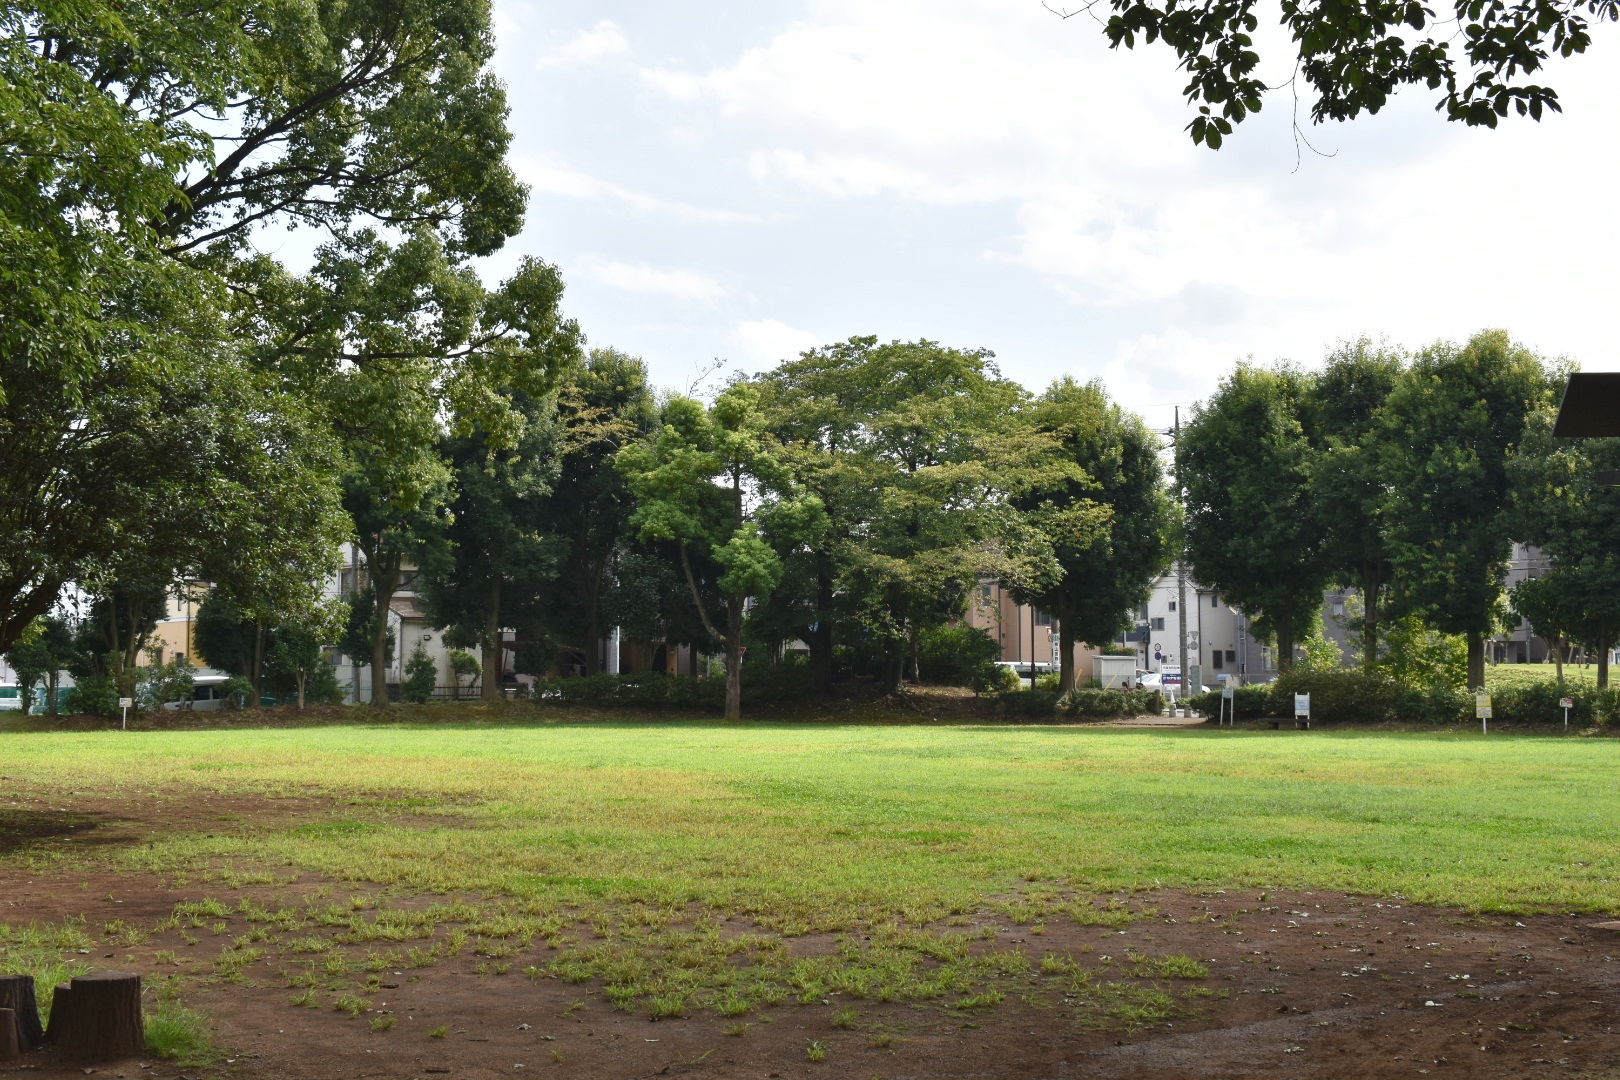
(819, 826)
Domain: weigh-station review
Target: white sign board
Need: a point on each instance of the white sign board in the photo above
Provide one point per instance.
(1482, 706)
(1302, 706)
(1566, 703)
(1226, 691)
(126, 703)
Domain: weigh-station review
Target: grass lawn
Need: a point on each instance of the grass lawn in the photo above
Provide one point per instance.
(810, 826)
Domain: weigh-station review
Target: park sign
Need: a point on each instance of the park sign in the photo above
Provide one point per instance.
(1302, 706)
(1482, 710)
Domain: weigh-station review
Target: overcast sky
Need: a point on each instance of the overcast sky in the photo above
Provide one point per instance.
(743, 181)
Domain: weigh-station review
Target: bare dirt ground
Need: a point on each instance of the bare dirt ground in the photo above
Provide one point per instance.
(1315, 984)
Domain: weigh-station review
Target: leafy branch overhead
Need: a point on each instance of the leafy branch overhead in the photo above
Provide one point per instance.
(1484, 56)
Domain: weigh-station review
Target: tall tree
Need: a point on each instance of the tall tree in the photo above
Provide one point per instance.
(1559, 505)
(709, 481)
(1450, 426)
(916, 452)
(155, 143)
(1342, 406)
(603, 405)
(500, 559)
(1107, 574)
(1251, 535)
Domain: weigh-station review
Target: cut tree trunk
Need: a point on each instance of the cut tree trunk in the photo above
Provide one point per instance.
(1476, 661)
(17, 994)
(97, 1017)
(10, 1048)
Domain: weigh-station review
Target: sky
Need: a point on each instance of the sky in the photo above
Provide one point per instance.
(739, 182)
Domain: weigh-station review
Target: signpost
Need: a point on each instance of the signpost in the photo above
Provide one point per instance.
(1302, 709)
(1482, 709)
(124, 705)
(1567, 704)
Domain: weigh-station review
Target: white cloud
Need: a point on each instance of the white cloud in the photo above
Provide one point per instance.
(766, 341)
(981, 172)
(679, 283)
(550, 179)
(601, 41)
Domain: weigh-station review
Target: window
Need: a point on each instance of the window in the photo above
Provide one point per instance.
(1216, 657)
(1156, 624)
(1042, 619)
(1231, 656)
(1214, 601)
(1338, 610)
(1172, 605)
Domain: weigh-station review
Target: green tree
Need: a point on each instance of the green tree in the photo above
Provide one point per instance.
(1450, 427)
(1483, 59)
(915, 453)
(41, 655)
(603, 405)
(1559, 506)
(1341, 406)
(690, 483)
(500, 560)
(1108, 573)
(298, 648)
(1251, 534)
(155, 145)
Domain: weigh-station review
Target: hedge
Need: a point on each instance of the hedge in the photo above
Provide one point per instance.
(656, 690)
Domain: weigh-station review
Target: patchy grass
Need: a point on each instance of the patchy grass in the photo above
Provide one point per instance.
(173, 1031)
(671, 864)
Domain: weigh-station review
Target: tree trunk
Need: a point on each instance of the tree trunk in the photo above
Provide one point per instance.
(1370, 586)
(52, 680)
(1065, 655)
(1558, 657)
(1603, 658)
(492, 641)
(734, 618)
(821, 638)
(302, 675)
(1476, 660)
(384, 581)
(1285, 644)
(258, 661)
(916, 657)
(17, 994)
(98, 1017)
(593, 625)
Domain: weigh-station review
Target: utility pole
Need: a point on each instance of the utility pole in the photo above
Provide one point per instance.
(1181, 576)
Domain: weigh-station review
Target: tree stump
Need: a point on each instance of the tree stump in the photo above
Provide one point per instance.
(17, 994)
(9, 1049)
(98, 1017)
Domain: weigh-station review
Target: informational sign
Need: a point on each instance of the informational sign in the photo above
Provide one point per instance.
(1226, 691)
(126, 703)
(1302, 706)
(1566, 703)
(1482, 706)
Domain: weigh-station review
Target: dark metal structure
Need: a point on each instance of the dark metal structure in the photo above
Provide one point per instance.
(1591, 406)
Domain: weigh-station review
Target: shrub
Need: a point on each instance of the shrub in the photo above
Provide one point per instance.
(421, 676)
(1091, 702)
(463, 665)
(1036, 702)
(237, 691)
(174, 681)
(959, 656)
(1248, 702)
(1342, 695)
(95, 694)
(1438, 704)
(761, 685)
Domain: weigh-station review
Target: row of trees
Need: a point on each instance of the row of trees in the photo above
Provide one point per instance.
(1407, 478)
(853, 498)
